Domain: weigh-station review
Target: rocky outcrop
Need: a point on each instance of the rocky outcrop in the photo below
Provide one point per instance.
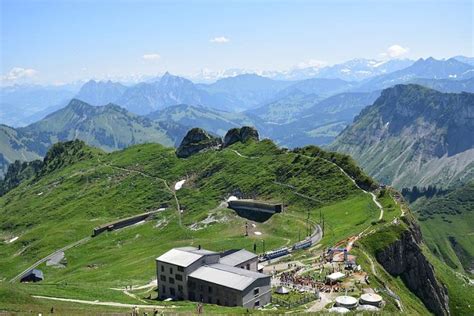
(242, 135)
(197, 140)
(405, 258)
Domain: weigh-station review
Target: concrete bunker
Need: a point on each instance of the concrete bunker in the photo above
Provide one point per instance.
(258, 211)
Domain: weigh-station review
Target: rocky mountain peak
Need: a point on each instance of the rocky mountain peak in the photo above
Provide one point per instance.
(242, 135)
(197, 140)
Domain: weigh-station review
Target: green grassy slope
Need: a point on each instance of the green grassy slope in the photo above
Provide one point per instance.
(460, 291)
(64, 205)
(447, 223)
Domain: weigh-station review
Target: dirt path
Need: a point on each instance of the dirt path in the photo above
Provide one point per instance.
(37, 263)
(326, 298)
(374, 198)
(372, 265)
(112, 304)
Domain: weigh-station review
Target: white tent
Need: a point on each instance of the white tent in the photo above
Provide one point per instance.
(336, 276)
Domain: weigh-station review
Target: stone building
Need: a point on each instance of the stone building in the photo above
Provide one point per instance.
(228, 279)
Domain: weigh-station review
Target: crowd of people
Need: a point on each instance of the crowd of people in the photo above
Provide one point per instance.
(295, 279)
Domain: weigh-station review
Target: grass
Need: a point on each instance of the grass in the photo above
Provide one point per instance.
(64, 206)
(461, 293)
(447, 225)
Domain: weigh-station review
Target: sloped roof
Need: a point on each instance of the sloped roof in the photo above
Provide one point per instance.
(227, 276)
(184, 256)
(238, 257)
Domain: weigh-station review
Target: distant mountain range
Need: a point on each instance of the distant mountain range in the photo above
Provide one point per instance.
(293, 113)
(100, 92)
(352, 70)
(212, 120)
(429, 68)
(109, 127)
(413, 135)
(240, 91)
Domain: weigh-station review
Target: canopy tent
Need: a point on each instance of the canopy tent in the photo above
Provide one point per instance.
(336, 276)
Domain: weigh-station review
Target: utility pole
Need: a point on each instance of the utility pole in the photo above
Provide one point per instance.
(323, 225)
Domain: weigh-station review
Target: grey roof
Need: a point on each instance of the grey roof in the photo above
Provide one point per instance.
(238, 257)
(36, 272)
(227, 276)
(184, 256)
(197, 251)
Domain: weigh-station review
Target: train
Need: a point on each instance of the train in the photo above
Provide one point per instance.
(302, 244)
(276, 253)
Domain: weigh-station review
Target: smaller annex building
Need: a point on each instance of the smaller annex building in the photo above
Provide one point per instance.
(34, 275)
(228, 279)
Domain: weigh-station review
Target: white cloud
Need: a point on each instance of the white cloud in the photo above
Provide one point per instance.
(220, 40)
(151, 57)
(396, 51)
(18, 73)
(313, 63)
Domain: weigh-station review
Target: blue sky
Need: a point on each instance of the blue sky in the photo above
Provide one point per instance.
(62, 41)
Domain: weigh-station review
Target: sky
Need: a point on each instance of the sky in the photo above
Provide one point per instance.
(54, 42)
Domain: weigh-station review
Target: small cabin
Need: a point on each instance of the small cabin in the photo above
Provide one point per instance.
(34, 275)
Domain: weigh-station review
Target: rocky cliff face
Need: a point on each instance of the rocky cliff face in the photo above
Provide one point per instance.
(197, 140)
(243, 134)
(405, 258)
(413, 135)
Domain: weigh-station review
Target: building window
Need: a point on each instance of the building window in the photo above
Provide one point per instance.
(171, 270)
(248, 266)
(209, 289)
(162, 268)
(172, 291)
(171, 280)
(256, 291)
(180, 288)
(179, 277)
(201, 287)
(164, 289)
(257, 303)
(180, 269)
(162, 277)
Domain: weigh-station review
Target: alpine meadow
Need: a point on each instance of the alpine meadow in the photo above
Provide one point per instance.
(227, 158)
